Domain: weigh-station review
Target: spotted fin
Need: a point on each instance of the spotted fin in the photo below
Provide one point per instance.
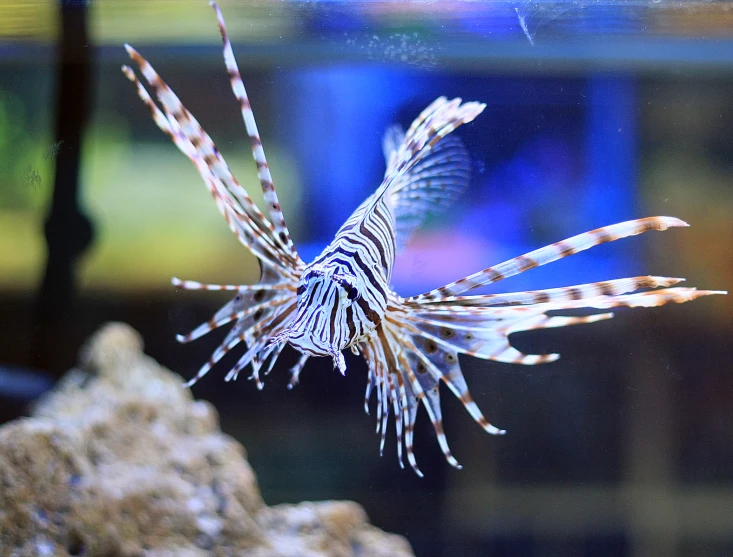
(427, 188)
(425, 133)
(417, 346)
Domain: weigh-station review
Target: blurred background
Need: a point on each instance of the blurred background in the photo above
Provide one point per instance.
(597, 112)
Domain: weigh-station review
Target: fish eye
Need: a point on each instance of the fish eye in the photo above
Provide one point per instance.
(315, 271)
(351, 292)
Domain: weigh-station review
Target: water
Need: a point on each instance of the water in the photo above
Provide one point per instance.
(597, 112)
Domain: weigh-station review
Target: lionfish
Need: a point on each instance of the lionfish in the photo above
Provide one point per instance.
(343, 298)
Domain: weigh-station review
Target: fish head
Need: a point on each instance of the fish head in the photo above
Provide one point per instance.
(321, 325)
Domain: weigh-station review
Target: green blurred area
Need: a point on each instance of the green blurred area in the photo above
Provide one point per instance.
(152, 214)
(152, 21)
(149, 225)
(27, 163)
(157, 218)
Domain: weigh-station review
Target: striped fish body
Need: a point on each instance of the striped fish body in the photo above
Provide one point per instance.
(343, 298)
(343, 293)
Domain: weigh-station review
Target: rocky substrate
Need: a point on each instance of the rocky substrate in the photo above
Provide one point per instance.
(120, 460)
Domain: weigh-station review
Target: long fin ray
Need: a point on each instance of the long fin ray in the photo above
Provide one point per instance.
(238, 209)
(562, 294)
(548, 254)
(279, 228)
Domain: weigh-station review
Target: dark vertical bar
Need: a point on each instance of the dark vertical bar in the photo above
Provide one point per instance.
(68, 231)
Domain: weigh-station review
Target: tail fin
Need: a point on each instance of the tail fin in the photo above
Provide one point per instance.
(439, 119)
(427, 188)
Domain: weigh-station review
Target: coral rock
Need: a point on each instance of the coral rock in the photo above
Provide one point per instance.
(120, 460)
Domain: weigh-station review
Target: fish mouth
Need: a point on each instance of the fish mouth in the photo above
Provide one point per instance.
(333, 351)
(338, 361)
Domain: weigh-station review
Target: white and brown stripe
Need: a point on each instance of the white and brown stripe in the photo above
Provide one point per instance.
(548, 254)
(238, 209)
(263, 169)
(552, 295)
